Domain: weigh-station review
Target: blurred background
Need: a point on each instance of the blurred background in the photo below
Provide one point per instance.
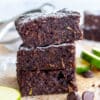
(11, 8)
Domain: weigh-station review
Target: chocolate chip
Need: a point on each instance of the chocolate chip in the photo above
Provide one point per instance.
(88, 74)
(93, 85)
(87, 95)
(73, 96)
(99, 85)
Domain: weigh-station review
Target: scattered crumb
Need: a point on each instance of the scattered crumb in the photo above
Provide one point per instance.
(99, 85)
(93, 85)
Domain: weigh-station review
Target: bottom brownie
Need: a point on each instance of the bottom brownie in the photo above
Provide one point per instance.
(92, 34)
(46, 82)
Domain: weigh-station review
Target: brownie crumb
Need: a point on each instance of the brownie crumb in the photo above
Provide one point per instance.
(93, 85)
(73, 96)
(99, 86)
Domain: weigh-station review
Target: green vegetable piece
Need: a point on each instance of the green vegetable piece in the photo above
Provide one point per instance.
(82, 66)
(96, 51)
(9, 94)
(91, 58)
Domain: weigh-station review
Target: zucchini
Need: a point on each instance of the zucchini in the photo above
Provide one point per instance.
(82, 66)
(96, 51)
(91, 58)
(9, 94)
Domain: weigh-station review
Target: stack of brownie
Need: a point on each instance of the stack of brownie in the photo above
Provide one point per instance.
(92, 25)
(46, 59)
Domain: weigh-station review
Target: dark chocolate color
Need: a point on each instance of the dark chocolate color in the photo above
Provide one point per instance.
(45, 29)
(44, 64)
(73, 96)
(88, 74)
(92, 34)
(92, 19)
(53, 57)
(91, 27)
(45, 82)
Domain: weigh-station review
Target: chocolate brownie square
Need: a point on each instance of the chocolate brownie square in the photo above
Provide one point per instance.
(91, 25)
(51, 57)
(92, 34)
(46, 82)
(92, 19)
(46, 59)
(39, 29)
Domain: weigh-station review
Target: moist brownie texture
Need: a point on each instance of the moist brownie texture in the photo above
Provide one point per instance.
(92, 19)
(44, 29)
(51, 57)
(46, 82)
(92, 34)
(92, 25)
(46, 59)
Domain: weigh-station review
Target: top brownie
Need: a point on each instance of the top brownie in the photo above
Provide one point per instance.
(39, 29)
(92, 19)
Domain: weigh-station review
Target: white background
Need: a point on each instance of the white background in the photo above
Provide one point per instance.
(11, 8)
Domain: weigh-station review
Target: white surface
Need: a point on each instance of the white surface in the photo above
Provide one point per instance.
(11, 8)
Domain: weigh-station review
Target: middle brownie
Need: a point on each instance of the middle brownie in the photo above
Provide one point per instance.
(52, 57)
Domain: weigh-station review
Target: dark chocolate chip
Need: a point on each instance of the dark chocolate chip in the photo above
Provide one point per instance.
(99, 85)
(93, 85)
(87, 95)
(73, 96)
(88, 74)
